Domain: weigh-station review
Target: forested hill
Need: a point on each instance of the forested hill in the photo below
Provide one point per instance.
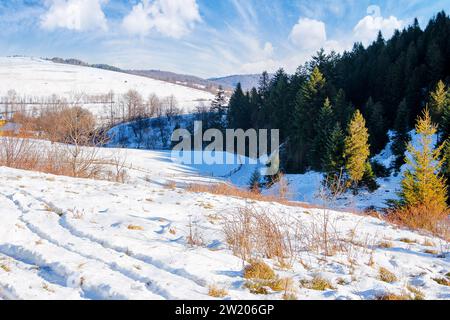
(389, 82)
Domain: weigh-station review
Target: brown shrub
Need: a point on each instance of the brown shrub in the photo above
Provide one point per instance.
(427, 217)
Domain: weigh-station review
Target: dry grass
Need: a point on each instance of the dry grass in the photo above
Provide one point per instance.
(216, 292)
(5, 268)
(393, 297)
(386, 276)
(407, 240)
(289, 296)
(233, 191)
(261, 277)
(259, 270)
(385, 244)
(135, 228)
(317, 283)
(416, 292)
(431, 251)
(171, 185)
(424, 217)
(442, 281)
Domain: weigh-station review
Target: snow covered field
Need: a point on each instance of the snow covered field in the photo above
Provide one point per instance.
(33, 77)
(66, 238)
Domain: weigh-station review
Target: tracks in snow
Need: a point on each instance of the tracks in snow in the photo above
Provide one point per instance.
(115, 267)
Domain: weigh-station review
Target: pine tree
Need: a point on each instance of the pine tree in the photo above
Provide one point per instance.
(356, 149)
(423, 184)
(438, 102)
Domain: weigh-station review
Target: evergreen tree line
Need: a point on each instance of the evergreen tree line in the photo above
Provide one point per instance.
(337, 109)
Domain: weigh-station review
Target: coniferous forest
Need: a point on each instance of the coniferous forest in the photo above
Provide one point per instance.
(336, 111)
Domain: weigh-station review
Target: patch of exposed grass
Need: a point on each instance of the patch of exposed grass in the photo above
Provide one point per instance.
(431, 251)
(386, 275)
(317, 283)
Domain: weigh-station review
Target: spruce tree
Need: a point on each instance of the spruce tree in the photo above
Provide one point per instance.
(309, 101)
(333, 163)
(356, 149)
(323, 128)
(423, 185)
(218, 109)
(401, 135)
(255, 182)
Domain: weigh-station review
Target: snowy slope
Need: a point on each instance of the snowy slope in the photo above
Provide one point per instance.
(65, 238)
(40, 78)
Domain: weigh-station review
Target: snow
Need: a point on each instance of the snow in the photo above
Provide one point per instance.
(66, 238)
(33, 77)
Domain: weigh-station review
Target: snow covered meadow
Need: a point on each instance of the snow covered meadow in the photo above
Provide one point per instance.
(155, 235)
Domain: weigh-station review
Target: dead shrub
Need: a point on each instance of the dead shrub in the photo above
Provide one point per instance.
(194, 238)
(255, 232)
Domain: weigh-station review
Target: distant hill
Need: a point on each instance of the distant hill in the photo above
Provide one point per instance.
(182, 79)
(247, 81)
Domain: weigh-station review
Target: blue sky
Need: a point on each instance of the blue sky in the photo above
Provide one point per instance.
(201, 37)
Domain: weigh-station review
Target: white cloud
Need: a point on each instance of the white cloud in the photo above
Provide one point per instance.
(308, 34)
(172, 18)
(79, 15)
(368, 27)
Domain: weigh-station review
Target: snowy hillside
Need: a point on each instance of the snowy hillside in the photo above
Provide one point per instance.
(59, 239)
(34, 77)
